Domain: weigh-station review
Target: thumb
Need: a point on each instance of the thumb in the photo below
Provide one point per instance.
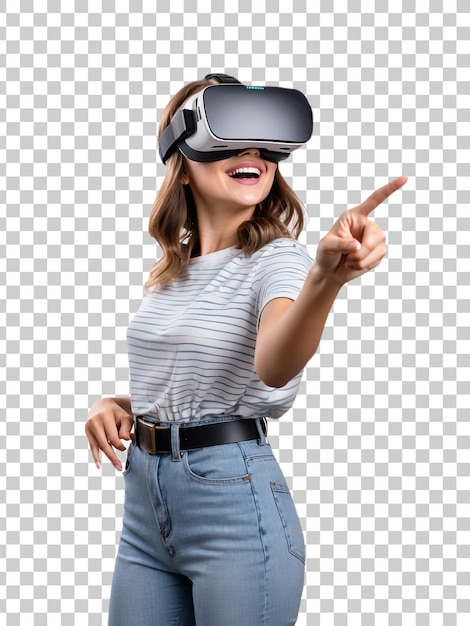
(125, 427)
(332, 244)
(353, 245)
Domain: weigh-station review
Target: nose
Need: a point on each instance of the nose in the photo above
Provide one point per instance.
(253, 151)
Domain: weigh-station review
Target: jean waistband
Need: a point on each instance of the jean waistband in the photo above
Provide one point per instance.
(164, 438)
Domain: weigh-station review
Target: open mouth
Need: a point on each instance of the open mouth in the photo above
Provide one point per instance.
(245, 172)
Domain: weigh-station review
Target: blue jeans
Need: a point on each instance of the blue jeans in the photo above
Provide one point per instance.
(210, 538)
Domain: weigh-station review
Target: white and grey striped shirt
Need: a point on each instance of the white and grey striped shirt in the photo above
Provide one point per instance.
(191, 343)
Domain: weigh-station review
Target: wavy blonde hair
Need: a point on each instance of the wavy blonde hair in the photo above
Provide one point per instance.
(173, 220)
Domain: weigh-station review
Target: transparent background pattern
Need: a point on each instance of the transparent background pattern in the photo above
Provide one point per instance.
(377, 448)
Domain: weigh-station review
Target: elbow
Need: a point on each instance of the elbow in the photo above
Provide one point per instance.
(273, 368)
(272, 378)
(273, 381)
(277, 374)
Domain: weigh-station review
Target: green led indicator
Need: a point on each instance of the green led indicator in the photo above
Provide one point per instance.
(255, 88)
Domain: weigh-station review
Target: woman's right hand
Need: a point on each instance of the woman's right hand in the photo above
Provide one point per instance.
(109, 421)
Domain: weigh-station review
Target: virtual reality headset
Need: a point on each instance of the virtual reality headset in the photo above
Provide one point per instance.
(222, 120)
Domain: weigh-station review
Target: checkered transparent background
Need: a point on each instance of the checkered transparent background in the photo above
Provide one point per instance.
(377, 447)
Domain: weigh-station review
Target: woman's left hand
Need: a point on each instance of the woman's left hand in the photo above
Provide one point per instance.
(355, 245)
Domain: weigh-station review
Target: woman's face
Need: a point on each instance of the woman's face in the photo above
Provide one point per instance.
(239, 183)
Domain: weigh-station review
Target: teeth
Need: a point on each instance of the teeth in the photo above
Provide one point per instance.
(245, 170)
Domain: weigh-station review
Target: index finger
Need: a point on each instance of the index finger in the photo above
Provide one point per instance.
(103, 436)
(380, 195)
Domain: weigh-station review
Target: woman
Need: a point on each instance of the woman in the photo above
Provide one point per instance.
(232, 313)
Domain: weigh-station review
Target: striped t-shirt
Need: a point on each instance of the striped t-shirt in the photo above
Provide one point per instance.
(191, 343)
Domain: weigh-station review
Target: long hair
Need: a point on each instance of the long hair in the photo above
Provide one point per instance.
(173, 220)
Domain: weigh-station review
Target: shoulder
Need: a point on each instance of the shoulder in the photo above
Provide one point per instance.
(284, 244)
(285, 249)
(281, 265)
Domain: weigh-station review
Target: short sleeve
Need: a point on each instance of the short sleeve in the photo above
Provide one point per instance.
(281, 272)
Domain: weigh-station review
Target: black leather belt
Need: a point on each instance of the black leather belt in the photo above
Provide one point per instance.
(156, 439)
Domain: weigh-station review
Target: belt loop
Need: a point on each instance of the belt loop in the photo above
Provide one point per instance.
(175, 442)
(262, 441)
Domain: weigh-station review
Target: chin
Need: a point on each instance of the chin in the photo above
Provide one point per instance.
(253, 199)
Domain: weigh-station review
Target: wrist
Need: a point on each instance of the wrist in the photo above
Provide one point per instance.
(320, 279)
(123, 402)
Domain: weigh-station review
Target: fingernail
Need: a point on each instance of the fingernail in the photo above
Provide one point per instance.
(118, 466)
(98, 465)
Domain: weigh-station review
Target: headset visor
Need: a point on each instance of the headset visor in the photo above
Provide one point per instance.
(222, 120)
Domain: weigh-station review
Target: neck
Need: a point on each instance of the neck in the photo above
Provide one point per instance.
(213, 242)
(217, 232)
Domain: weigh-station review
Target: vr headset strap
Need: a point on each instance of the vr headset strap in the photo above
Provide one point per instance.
(183, 124)
(223, 78)
(181, 127)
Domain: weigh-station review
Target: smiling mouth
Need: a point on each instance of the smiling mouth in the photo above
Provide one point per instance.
(245, 172)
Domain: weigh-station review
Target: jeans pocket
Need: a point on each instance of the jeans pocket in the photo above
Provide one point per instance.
(289, 519)
(220, 465)
(130, 451)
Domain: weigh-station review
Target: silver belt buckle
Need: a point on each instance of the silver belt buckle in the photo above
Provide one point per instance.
(146, 433)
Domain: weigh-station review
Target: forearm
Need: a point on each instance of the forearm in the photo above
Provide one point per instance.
(285, 346)
(124, 402)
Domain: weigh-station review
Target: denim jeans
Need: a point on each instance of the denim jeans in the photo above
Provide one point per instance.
(210, 538)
